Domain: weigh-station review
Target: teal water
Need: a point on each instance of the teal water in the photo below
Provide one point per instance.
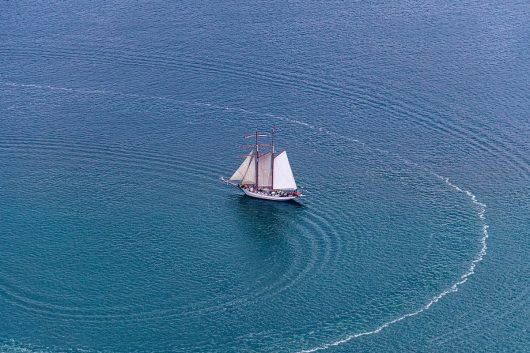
(407, 125)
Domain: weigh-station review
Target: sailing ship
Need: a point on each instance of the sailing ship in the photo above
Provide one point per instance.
(265, 174)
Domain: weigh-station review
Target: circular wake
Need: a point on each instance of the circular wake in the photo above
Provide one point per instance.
(316, 223)
(481, 209)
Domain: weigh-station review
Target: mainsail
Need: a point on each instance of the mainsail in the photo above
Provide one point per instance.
(283, 175)
(264, 170)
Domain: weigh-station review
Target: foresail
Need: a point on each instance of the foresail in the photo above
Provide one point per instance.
(283, 175)
(264, 170)
(250, 175)
(242, 170)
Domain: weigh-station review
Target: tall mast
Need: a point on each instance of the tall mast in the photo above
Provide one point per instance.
(272, 159)
(257, 159)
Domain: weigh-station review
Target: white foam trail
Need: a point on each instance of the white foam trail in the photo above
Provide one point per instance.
(481, 207)
(481, 212)
(113, 93)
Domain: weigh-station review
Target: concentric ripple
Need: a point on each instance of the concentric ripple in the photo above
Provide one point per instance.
(481, 209)
(315, 234)
(170, 169)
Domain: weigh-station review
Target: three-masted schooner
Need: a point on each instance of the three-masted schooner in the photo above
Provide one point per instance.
(265, 175)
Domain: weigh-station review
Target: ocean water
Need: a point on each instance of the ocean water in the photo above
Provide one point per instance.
(408, 128)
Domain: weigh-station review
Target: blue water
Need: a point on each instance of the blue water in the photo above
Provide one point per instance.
(407, 125)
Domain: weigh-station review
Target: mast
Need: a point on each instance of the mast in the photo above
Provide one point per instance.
(257, 159)
(272, 159)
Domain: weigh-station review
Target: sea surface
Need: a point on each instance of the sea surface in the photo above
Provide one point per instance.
(407, 125)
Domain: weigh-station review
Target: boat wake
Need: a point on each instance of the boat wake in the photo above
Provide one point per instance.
(481, 210)
(479, 206)
(481, 213)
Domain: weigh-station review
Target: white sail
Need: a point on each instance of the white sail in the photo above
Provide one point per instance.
(242, 170)
(250, 175)
(283, 175)
(264, 170)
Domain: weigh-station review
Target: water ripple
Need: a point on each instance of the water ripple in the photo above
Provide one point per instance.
(329, 241)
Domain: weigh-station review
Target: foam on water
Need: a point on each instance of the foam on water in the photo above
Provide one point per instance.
(481, 210)
(480, 206)
(481, 213)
